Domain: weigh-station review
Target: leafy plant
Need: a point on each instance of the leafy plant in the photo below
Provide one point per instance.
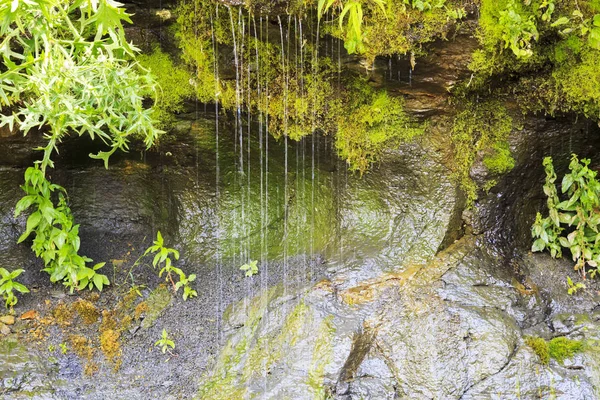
(572, 223)
(574, 287)
(67, 68)
(163, 255)
(517, 31)
(8, 285)
(353, 40)
(251, 268)
(164, 342)
(63, 348)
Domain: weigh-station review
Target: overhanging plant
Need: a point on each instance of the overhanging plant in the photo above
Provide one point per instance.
(68, 69)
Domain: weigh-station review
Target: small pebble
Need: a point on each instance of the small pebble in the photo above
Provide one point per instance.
(7, 319)
(4, 330)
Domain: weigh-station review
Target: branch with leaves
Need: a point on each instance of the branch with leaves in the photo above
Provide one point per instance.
(68, 69)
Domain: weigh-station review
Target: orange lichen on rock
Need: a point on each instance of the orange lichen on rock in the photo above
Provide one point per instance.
(87, 311)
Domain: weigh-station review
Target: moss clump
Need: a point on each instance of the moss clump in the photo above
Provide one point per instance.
(543, 52)
(298, 93)
(375, 121)
(482, 128)
(174, 85)
(82, 346)
(90, 368)
(109, 321)
(140, 310)
(539, 347)
(62, 314)
(87, 311)
(111, 347)
(561, 348)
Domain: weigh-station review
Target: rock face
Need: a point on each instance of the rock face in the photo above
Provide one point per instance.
(368, 287)
(449, 325)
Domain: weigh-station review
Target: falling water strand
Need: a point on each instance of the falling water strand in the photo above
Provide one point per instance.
(236, 223)
(285, 144)
(217, 184)
(265, 272)
(260, 147)
(312, 165)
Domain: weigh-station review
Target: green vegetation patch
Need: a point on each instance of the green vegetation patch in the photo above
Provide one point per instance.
(159, 299)
(559, 348)
(481, 128)
(174, 85)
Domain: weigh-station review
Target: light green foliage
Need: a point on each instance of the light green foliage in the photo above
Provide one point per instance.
(572, 223)
(164, 342)
(518, 31)
(481, 128)
(375, 122)
(8, 285)
(63, 348)
(56, 237)
(174, 85)
(163, 255)
(68, 69)
(251, 268)
(561, 348)
(573, 288)
(554, 53)
(353, 9)
(396, 27)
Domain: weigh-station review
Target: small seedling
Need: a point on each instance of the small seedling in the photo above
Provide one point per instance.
(164, 342)
(63, 348)
(163, 255)
(7, 285)
(51, 348)
(251, 268)
(574, 287)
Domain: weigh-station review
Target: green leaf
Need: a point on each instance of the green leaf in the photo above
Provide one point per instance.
(538, 245)
(109, 16)
(567, 182)
(98, 281)
(560, 21)
(103, 155)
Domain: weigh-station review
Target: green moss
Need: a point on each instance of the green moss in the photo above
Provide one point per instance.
(540, 347)
(481, 128)
(500, 160)
(226, 381)
(174, 84)
(374, 121)
(322, 356)
(159, 299)
(550, 71)
(561, 348)
(269, 349)
(302, 94)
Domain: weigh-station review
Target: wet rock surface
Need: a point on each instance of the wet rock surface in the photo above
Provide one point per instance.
(379, 295)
